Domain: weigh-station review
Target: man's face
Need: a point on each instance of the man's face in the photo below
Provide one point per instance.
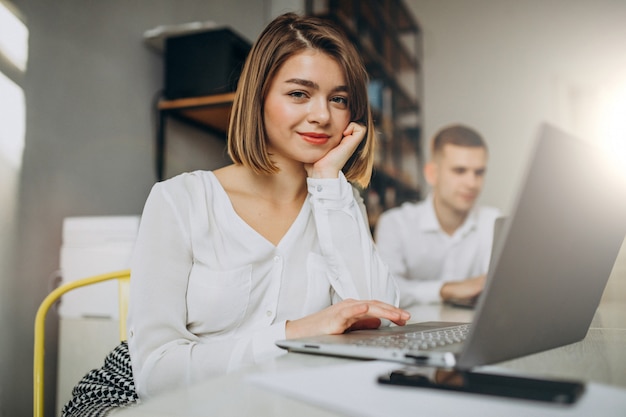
(457, 176)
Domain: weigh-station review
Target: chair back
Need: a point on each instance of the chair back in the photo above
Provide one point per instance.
(123, 278)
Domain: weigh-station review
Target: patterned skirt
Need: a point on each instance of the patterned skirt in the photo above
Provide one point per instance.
(105, 389)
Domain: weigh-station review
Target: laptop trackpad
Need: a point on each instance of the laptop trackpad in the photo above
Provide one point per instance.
(409, 328)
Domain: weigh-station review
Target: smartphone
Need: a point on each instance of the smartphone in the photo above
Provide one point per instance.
(554, 391)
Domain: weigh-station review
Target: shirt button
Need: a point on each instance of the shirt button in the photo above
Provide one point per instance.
(319, 188)
(268, 313)
(276, 258)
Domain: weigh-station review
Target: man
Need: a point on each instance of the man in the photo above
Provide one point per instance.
(440, 248)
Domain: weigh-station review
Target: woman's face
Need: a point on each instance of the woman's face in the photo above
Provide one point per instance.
(306, 108)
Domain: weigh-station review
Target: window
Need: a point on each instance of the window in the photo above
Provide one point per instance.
(13, 64)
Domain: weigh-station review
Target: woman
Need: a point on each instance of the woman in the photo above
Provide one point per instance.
(276, 245)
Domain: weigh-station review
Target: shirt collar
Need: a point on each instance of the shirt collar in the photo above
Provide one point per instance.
(431, 223)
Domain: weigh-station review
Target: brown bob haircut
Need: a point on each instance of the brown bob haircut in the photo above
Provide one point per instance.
(288, 35)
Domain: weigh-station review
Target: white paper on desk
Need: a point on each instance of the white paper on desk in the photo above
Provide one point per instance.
(352, 389)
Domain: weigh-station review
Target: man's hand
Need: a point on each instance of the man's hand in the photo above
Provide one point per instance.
(462, 290)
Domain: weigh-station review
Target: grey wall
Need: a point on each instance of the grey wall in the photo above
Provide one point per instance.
(89, 147)
(503, 66)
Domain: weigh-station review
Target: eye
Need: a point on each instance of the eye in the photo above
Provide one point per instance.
(298, 95)
(340, 100)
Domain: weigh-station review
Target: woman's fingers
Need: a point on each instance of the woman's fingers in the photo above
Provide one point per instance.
(346, 315)
(354, 134)
(385, 311)
(357, 310)
(330, 165)
(365, 324)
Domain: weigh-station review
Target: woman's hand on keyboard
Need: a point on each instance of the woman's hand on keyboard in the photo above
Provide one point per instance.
(345, 316)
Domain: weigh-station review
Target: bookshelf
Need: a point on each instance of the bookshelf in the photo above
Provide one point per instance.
(389, 40)
(210, 112)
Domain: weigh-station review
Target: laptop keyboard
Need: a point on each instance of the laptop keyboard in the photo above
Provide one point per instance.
(420, 340)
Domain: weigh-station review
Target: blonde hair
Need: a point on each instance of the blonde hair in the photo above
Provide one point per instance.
(284, 37)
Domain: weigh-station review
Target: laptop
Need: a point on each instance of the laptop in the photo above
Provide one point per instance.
(546, 277)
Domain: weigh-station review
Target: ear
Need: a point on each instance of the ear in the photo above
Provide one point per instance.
(430, 173)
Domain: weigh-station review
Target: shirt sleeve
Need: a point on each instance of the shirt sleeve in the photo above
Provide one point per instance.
(164, 353)
(388, 231)
(418, 292)
(354, 266)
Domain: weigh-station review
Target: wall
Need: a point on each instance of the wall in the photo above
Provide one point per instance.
(89, 147)
(503, 66)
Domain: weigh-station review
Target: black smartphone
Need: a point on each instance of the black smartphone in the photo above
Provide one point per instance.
(548, 390)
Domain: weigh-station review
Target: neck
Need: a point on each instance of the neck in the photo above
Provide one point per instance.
(282, 187)
(449, 218)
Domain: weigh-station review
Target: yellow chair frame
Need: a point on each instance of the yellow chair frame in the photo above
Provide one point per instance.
(123, 278)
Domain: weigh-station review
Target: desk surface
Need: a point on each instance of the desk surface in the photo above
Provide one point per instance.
(599, 358)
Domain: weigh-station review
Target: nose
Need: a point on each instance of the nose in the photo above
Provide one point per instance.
(474, 180)
(319, 112)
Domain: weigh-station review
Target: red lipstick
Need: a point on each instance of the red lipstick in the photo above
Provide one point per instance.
(315, 138)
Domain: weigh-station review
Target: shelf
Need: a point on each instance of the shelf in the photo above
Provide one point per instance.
(211, 111)
(388, 39)
(386, 191)
(370, 27)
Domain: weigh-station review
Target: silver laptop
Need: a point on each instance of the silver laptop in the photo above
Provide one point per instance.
(546, 276)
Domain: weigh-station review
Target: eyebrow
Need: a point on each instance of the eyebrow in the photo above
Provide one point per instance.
(464, 168)
(314, 85)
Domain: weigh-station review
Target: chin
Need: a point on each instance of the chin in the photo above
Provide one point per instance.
(465, 208)
(311, 159)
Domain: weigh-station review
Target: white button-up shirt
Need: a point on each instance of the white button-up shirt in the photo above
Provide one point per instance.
(421, 256)
(209, 294)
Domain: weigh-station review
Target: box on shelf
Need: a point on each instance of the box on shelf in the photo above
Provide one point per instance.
(203, 63)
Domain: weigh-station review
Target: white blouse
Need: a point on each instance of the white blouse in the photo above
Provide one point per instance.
(210, 295)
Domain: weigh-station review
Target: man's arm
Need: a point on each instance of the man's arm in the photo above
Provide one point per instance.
(462, 290)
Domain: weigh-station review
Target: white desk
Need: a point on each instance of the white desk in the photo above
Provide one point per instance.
(599, 358)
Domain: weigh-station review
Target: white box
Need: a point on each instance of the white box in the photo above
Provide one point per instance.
(91, 246)
(89, 316)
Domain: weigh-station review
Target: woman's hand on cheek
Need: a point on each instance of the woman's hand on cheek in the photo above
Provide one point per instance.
(330, 165)
(344, 316)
